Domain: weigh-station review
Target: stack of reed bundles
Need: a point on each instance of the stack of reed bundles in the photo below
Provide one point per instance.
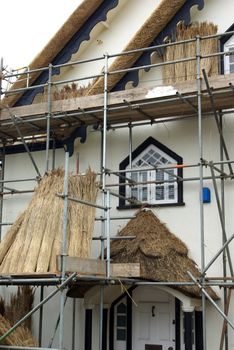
(33, 243)
(186, 71)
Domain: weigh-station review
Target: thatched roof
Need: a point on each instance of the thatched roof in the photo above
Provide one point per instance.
(163, 13)
(56, 43)
(162, 255)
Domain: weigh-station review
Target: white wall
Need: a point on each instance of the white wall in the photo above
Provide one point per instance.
(180, 136)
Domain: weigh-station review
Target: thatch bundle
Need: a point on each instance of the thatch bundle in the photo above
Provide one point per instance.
(162, 256)
(183, 71)
(72, 90)
(19, 304)
(20, 337)
(34, 241)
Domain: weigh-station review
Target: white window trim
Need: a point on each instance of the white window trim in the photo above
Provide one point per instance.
(227, 46)
(151, 176)
(120, 344)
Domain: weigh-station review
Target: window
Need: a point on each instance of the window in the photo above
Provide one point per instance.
(121, 322)
(152, 185)
(227, 45)
(229, 58)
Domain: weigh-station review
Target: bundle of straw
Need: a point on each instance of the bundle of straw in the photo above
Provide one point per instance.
(67, 91)
(185, 71)
(19, 305)
(34, 241)
(20, 337)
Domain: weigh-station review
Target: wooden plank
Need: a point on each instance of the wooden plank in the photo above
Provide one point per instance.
(115, 98)
(125, 270)
(83, 266)
(98, 267)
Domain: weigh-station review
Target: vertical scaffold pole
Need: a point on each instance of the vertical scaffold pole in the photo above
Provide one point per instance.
(130, 155)
(2, 171)
(64, 250)
(48, 118)
(2, 155)
(200, 142)
(223, 233)
(104, 192)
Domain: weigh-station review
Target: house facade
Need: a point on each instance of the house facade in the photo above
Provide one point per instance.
(169, 160)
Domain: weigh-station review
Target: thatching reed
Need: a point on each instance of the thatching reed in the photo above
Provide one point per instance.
(34, 241)
(66, 92)
(20, 337)
(162, 256)
(163, 13)
(19, 304)
(55, 45)
(186, 71)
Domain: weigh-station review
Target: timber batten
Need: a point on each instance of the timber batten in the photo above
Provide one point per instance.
(126, 106)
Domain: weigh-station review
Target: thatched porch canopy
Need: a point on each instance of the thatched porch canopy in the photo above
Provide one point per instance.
(162, 255)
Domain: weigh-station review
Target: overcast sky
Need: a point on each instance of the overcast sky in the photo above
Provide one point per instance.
(27, 25)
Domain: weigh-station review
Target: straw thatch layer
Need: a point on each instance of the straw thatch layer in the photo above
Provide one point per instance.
(162, 256)
(144, 36)
(34, 241)
(164, 12)
(54, 46)
(184, 71)
(67, 91)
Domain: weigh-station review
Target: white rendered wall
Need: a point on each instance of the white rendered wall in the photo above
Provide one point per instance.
(180, 136)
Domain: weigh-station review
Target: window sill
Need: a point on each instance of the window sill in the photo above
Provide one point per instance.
(136, 206)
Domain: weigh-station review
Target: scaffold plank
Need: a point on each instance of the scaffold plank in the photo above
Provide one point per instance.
(89, 110)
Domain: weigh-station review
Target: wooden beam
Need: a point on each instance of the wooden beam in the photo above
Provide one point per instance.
(115, 98)
(98, 267)
(119, 107)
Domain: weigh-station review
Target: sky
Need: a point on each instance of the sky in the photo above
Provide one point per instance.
(27, 26)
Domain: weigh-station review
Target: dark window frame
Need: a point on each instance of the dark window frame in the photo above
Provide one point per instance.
(223, 41)
(124, 164)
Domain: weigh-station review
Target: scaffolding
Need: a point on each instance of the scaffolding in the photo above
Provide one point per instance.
(47, 123)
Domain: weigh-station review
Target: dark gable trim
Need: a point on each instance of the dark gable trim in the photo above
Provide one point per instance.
(198, 330)
(104, 329)
(188, 330)
(33, 147)
(88, 329)
(177, 325)
(145, 59)
(111, 327)
(223, 40)
(122, 166)
(70, 48)
(129, 321)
